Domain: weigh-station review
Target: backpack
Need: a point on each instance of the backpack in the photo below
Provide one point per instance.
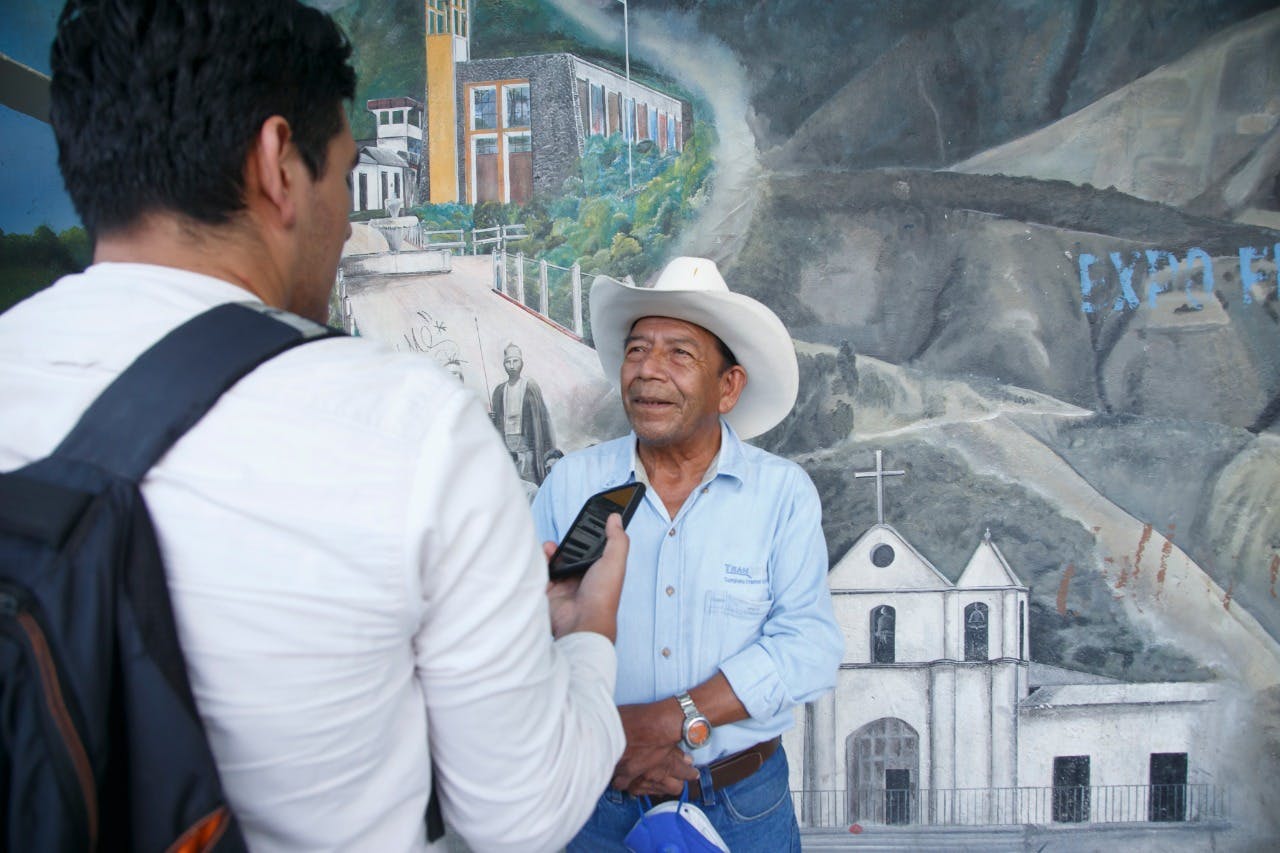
(101, 747)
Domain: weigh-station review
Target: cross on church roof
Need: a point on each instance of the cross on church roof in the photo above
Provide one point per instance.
(879, 474)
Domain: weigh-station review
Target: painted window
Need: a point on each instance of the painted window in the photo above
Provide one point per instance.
(397, 117)
(397, 176)
(1168, 802)
(519, 168)
(883, 629)
(364, 190)
(975, 631)
(653, 125)
(384, 117)
(614, 112)
(584, 107)
(1022, 630)
(447, 16)
(486, 180)
(1071, 788)
(460, 17)
(500, 155)
(629, 123)
(484, 108)
(597, 110)
(642, 122)
(384, 195)
(516, 103)
(437, 17)
(661, 136)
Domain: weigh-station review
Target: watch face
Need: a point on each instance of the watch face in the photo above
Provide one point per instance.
(698, 732)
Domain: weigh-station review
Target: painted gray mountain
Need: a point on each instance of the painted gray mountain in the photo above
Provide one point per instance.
(929, 193)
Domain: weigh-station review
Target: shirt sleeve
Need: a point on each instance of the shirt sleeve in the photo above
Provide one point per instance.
(800, 647)
(523, 731)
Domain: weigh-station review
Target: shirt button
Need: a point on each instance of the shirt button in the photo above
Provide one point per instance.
(671, 532)
(666, 653)
(671, 590)
(704, 489)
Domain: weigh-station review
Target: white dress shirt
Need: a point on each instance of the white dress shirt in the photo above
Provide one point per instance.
(354, 574)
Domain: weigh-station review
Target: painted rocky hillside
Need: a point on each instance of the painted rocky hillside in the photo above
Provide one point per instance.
(888, 194)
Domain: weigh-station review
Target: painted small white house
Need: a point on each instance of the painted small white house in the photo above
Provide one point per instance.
(389, 168)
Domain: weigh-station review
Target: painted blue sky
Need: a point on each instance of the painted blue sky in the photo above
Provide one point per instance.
(31, 192)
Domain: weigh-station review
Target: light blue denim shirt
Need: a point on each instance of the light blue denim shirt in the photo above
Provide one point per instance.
(737, 581)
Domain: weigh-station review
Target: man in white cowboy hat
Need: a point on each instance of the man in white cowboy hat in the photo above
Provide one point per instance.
(725, 623)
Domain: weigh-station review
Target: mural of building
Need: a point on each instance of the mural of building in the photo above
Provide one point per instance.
(505, 129)
(941, 717)
(388, 169)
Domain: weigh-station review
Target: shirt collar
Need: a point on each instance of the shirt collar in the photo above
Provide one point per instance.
(729, 461)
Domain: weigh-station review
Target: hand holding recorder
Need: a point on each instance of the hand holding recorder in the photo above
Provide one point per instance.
(588, 567)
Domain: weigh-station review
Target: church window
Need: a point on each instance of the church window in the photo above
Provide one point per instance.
(882, 555)
(975, 631)
(1168, 802)
(1071, 791)
(1022, 630)
(883, 619)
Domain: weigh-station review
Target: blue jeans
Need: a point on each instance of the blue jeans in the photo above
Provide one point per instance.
(754, 815)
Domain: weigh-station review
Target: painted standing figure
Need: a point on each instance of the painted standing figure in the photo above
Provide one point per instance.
(521, 415)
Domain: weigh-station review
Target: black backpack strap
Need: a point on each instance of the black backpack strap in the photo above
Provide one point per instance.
(170, 386)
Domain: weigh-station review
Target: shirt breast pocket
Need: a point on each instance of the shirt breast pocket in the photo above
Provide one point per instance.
(730, 624)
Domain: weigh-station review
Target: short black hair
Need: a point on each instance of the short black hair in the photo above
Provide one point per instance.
(156, 103)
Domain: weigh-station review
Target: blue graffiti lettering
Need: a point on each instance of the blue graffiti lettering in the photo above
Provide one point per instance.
(1163, 268)
(1086, 283)
(1248, 275)
(1127, 294)
(1154, 288)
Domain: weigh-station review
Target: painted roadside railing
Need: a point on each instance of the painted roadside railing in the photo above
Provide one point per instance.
(552, 291)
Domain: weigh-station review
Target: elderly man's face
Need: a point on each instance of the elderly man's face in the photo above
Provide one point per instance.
(674, 388)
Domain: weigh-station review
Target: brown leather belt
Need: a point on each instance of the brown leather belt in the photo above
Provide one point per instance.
(731, 769)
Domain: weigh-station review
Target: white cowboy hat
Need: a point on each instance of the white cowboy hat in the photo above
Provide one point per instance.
(691, 289)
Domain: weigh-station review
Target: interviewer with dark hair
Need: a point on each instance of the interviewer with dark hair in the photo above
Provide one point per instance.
(353, 569)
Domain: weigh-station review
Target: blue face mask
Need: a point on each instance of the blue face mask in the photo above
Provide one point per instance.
(673, 827)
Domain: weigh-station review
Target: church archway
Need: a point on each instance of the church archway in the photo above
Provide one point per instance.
(883, 764)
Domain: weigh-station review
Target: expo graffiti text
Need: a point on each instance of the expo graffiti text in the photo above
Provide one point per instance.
(1162, 269)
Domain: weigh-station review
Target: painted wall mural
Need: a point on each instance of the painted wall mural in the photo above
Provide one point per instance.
(1027, 250)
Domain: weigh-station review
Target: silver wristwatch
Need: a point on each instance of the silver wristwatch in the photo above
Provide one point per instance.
(696, 731)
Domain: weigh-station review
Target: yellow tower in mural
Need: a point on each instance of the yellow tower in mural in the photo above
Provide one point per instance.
(448, 43)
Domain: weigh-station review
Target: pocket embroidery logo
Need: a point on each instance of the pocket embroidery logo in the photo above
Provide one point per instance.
(734, 573)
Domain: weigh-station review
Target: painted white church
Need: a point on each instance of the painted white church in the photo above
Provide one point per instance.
(940, 716)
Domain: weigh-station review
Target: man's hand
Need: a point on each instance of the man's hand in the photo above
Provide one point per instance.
(653, 762)
(590, 603)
